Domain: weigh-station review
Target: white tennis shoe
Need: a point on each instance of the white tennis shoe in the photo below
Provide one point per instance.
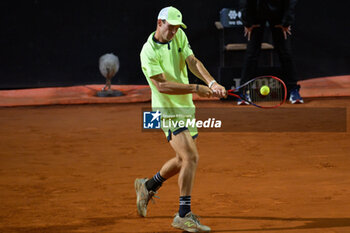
(143, 196)
(189, 223)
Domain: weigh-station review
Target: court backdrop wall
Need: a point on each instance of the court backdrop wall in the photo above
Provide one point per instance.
(58, 43)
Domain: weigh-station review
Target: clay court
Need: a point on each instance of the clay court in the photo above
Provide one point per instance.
(71, 168)
(74, 90)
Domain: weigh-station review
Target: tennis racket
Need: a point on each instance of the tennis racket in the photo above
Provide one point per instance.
(262, 92)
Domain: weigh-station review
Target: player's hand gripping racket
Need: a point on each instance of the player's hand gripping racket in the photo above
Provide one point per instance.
(262, 92)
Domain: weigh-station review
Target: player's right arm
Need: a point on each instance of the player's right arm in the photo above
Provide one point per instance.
(173, 88)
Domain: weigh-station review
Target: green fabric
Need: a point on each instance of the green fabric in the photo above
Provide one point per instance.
(175, 118)
(174, 17)
(168, 59)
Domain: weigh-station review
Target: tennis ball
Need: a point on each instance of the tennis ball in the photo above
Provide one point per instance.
(264, 90)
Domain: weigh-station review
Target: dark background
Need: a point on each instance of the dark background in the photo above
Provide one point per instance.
(58, 43)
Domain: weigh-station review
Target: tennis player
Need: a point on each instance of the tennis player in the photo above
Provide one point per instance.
(163, 59)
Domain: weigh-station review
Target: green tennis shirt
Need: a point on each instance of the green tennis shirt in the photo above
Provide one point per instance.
(169, 59)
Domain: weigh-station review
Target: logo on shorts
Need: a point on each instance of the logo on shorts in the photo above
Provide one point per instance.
(151, 120)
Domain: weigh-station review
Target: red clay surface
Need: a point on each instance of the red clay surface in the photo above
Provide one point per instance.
(318, 87)
(72, 168)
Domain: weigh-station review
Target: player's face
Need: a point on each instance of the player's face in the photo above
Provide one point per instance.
(168, 31)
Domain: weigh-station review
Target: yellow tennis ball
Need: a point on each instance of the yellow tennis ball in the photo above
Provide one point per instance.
(264, 90)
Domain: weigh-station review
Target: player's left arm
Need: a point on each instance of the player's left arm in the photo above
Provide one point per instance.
(198, 69)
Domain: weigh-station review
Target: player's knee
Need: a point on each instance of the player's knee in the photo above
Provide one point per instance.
(178, 160)
(191, 158)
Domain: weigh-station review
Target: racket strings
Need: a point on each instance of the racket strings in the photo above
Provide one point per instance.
(274, 97)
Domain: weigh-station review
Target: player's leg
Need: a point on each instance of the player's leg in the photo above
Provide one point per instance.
(185, 147)
(146, 188)
(171, 167)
